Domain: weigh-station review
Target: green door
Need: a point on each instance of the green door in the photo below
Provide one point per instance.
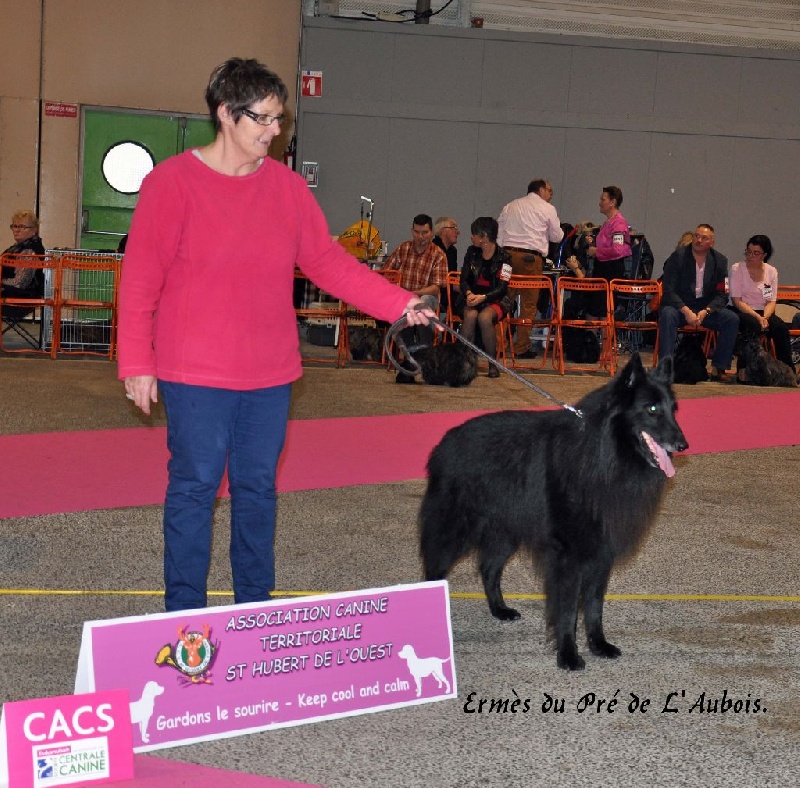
(119, 149)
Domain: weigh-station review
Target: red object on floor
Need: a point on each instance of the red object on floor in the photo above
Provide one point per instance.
(162, 773)
(107, 469)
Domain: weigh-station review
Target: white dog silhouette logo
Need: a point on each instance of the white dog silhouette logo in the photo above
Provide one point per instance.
(142, 709)
(422, 667)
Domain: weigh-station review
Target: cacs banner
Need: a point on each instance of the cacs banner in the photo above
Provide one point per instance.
(224, 671)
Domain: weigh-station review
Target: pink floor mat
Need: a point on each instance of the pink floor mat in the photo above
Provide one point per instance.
(56, 472)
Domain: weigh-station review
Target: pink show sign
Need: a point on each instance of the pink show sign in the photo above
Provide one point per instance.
(67, 740)
(224, 671)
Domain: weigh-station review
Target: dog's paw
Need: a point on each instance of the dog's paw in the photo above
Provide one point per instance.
(570, 659)
(506, 614)
(602, 648)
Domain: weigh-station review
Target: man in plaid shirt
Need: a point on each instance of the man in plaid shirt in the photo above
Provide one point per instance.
(423, 271)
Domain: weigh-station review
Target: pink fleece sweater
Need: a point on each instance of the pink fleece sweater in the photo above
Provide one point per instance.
(207, 279)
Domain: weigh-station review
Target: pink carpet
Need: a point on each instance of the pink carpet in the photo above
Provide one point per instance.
(105, 469)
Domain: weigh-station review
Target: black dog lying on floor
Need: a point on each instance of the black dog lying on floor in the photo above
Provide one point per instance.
(761, 367)
(446, 364)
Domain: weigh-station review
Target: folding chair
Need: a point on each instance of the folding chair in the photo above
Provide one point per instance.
(356, 317)
(571, 285)
(87, 307)
(453, 291)
(539, 283)
(708, 337)
(31, 318)
(633, 299)
(790, 294)
(334, 311)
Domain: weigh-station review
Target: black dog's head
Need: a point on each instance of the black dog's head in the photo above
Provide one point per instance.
(647, 412)
(748, 349)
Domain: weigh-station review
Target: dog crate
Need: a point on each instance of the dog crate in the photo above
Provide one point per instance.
(84, 327)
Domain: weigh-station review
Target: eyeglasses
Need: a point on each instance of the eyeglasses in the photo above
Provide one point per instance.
(21, 226)
(264, 120)
(753, 253)
(449, 226)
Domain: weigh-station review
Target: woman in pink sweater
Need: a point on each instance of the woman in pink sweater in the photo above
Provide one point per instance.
(207, 321)
(612, 245)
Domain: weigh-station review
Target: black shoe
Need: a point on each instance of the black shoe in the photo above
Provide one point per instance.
(494, 372)
(529, 353)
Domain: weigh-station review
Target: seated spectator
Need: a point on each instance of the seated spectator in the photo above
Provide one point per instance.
(446, 235)
(754, 293)
(484, 286)
(694, 294)
(423, 271)
(20, 282)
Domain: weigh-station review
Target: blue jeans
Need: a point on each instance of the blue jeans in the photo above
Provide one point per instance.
(723, 321)
(207, 429)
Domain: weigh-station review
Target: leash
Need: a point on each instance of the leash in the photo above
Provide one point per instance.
(393, 335)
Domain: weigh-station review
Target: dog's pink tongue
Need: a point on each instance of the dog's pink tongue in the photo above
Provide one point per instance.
(660, 453)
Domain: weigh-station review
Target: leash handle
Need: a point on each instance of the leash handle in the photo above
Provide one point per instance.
(393, 336)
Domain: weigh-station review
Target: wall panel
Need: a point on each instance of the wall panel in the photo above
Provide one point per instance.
(476, 114)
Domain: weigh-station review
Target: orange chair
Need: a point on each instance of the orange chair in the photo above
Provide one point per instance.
(539, 283)
(328, 311)
(21, 315)
(570, 284)
(709, 337)
(453, 291)
(87, 305)
(633, 298)
(790, 294)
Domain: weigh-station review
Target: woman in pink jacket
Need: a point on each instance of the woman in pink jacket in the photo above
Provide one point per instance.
(207, 321)
(612, 245)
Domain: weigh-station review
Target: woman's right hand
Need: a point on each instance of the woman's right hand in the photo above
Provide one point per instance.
(142, 390)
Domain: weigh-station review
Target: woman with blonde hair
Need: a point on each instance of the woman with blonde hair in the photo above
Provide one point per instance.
(18, 282)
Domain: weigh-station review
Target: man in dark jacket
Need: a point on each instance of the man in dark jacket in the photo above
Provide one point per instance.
(695, 293)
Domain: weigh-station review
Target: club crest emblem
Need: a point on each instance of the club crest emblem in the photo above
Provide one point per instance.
(192, 655)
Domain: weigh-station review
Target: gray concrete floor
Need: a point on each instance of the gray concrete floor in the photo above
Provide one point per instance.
(728, 531)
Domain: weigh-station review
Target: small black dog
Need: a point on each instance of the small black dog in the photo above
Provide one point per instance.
(689, 363)
(579, 492)
(761, 367)
(366, 343)
(446, 364)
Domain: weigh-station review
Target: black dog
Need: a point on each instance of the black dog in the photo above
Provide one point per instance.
(446, 364)
(366, 343)
(689, 364)
(761, 367)
(578, 491)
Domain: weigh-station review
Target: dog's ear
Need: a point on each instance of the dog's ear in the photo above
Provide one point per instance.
(633, 373)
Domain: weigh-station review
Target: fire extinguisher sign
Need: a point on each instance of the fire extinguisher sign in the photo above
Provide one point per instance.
(311, 83)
